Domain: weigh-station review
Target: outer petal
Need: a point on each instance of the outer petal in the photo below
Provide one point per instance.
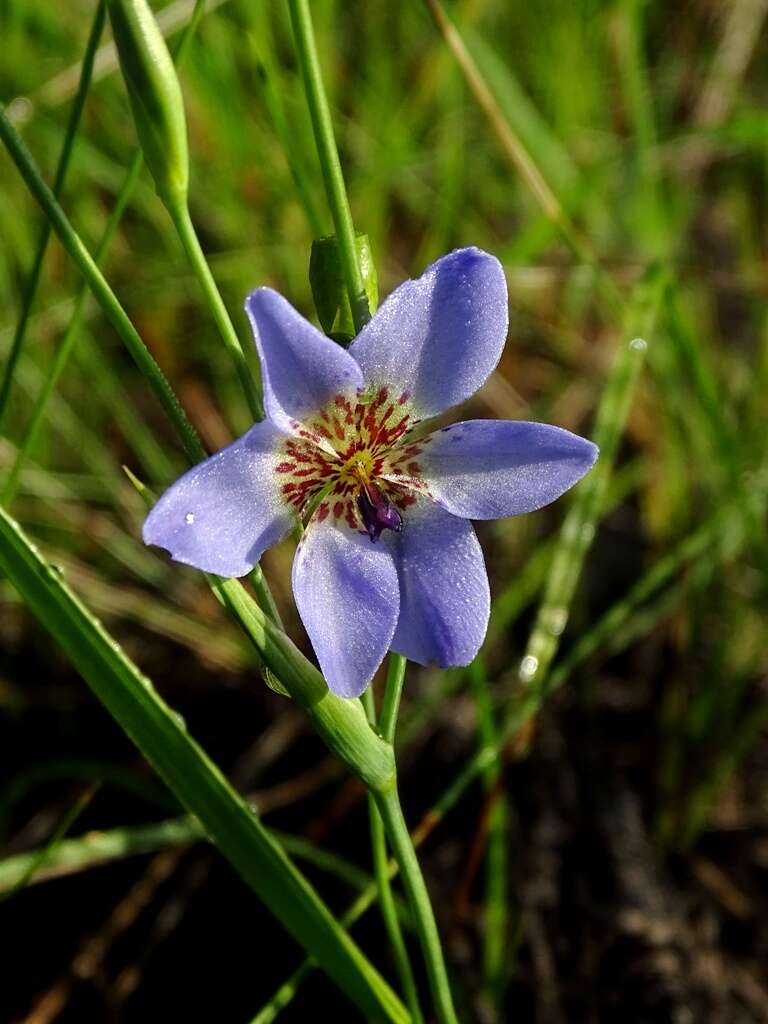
(302, 369)
(486, 469)
(440, 336)
(444, 595)
(347, 594)
(222, 514)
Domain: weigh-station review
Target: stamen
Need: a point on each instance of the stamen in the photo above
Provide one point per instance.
(378, 512)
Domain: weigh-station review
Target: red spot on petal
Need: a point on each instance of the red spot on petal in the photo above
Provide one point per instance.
(285, 467)
(322, 511)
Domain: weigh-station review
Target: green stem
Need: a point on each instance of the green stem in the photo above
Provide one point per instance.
(106, 298)
(64, 350)
(186, 230)
(388, 803)
(384, 886)
(58, 183)
(393, 689)
(306, 49)
(495, 960)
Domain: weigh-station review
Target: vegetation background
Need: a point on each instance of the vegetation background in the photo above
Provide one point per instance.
(614, 865)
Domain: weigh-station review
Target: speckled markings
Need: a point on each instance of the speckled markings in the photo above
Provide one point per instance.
(354, 445)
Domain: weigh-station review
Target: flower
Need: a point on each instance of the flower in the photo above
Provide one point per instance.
(389, 557)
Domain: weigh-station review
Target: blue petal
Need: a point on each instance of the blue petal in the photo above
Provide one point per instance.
(444, 595)
(438, 337)
(302, 370)
(487, 469)
(347, 595)
(222, 514)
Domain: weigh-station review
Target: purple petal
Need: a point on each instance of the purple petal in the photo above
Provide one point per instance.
(222, 514)
(302, 370)
(347, 595)
(487, 469)
(444, 595)
(438, 338)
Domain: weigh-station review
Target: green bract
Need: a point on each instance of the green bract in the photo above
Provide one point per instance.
(329, 288)
(155, 96)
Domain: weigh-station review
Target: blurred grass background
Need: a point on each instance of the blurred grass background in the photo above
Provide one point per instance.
(635, 832)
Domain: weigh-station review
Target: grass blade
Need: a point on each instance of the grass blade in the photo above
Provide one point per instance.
(162, 738)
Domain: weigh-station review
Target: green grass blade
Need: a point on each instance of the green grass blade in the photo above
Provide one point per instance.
(495, 823)
(579, 527)
(94, 849)
(100, 288)
(191, 775)
(73, 124)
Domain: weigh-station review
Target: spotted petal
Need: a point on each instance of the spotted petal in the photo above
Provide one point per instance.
(347, 595)
(444, 595)
(302, 370)
(487, 469)
(440, 336)
(222, 514)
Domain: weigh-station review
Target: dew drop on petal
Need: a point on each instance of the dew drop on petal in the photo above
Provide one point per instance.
(189, 518)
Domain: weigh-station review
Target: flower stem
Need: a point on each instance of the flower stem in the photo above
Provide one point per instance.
(182, 221)
(384, 886)
(388, 803)
(392, 691)
(306, 49)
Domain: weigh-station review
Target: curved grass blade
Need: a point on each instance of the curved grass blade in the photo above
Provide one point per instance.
(200, 786)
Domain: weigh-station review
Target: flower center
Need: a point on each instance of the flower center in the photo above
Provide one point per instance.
(357, 470)
(342, 451)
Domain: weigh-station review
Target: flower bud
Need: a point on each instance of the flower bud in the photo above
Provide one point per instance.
(329, 289)
(154, 94)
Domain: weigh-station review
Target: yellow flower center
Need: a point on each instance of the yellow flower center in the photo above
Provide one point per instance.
(357, 470)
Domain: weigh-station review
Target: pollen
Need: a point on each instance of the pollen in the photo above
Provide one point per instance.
(357, 470)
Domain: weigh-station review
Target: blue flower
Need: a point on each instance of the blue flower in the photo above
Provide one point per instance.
(389, 557)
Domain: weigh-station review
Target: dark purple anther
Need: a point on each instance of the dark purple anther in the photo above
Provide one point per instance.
(378, 512)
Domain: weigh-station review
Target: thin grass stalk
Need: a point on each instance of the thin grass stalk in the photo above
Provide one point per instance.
(35, 862)
(385, 896)
(80, 853)
(496, 923)
(33, 281)
(182, 221)
(578, 530)
(103, 293)
(65, 347)
(267, 80)
(333, 177)
(521, 159)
